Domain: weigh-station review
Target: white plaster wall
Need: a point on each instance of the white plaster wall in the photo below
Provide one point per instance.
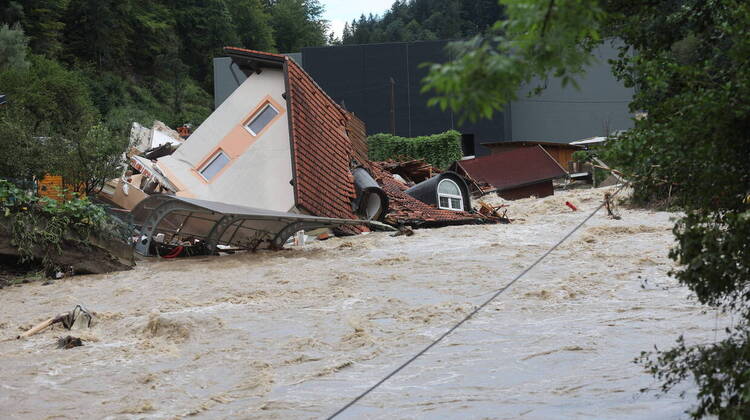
(261, 176)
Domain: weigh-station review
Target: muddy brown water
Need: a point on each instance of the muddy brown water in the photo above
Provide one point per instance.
(298, 333)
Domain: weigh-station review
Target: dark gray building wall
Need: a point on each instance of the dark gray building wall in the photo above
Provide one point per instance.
(598, 108)
(359, 76)
(227, 78)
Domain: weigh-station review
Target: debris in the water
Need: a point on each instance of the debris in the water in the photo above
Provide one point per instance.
(611, 210)
(571, 205)
(78, 318)
(69, 342)
(404, 230)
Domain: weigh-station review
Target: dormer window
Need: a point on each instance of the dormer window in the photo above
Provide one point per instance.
(449, 196)
(261, 119)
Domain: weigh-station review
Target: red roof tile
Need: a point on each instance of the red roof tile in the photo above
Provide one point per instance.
(405, 209)
(513, 168)
(322, 152)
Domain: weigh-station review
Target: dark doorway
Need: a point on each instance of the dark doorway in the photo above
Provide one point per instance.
(467, 144)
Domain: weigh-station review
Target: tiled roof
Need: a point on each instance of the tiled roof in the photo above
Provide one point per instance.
(513, 168)
(355, 129)
(322, 152)
(405, 209)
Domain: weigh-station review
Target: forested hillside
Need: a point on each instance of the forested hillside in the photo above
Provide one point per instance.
(424, 20)
(154, 56)
(77, 72)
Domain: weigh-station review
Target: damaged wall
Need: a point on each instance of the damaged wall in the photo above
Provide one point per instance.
(259, 171)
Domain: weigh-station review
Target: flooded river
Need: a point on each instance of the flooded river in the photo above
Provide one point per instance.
(298, 333)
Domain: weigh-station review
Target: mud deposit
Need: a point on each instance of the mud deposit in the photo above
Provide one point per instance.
(296, 334)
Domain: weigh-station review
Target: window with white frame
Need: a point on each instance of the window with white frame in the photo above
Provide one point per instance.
(258, 122)
(214, 165)
(449, 196)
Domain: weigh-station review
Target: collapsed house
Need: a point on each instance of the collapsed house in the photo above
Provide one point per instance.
(277, 149)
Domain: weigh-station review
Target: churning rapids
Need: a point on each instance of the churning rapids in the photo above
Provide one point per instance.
(297, 334)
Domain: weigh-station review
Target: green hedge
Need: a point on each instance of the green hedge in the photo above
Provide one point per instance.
(439, 150)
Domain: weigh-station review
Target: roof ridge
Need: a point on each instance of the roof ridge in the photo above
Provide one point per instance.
(247, 50)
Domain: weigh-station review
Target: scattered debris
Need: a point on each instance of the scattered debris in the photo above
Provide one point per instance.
(324, 236)
(69, 342)
(610, 206)
(404, 231)
(407, 210)
(571, 205)
(78, 318)
(411, 172)
(494, 212)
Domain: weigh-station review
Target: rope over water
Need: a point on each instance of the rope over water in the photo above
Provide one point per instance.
(476, 310)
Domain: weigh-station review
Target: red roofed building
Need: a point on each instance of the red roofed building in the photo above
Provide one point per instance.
(517, 173)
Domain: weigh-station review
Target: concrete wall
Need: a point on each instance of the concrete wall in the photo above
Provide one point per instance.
(260, 169)
(598, 108)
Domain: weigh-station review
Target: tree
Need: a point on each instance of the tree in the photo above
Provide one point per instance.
(99, 32)
(12, 48)
(204, 27)
(43, 22)
(690, 63)
(421, 20)
(93, 158)
(51, 126)
(298, 24)
(252, 22)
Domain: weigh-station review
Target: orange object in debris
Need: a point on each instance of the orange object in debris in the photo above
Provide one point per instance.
(51, 186)
(54, 187)
(572, 207)
(184, 131)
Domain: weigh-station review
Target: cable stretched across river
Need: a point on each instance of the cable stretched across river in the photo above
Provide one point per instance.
(476, 310)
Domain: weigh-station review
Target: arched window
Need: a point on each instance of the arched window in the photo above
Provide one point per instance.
(449, 196)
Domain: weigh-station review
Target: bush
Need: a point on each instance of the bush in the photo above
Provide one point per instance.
(439, 150)
(38, 226)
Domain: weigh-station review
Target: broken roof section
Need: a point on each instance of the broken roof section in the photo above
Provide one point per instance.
(513, 169)
(407, 210)
(143, 139)
(223, 224)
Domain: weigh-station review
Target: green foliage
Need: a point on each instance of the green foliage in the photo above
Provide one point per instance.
(93, 158)
(424, 20)
(439, 150)
(253, 24)
(43, 22)
(581, 156)
(12, 48)
(154, 55)
(298, 24)
(539, 38)
(47, 105)
(689, 62)
(40, 226)
(51, 126)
